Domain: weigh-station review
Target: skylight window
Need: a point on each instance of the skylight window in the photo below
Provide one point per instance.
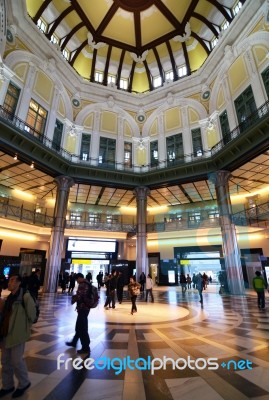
(157, 81)
(225, 25)
(182, 71)
(214, 42)
(124, 84)
(66, 54)
(42, 25)
(169, 76)
(54, 39)
(98, 77)
(236, 8)
(111, 79)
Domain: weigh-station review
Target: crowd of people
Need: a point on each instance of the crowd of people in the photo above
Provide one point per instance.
(18, 312)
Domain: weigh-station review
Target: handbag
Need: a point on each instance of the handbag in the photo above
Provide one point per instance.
(136, 291)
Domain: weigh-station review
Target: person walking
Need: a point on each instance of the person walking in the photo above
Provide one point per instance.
(183, 282)
(120, 286)
(259, 285)
(188, 281)
(200, 286)
(142, 281)
(72, 283)
(81, 329)
(149, 287)
(134, 288)
(18, 315)
(34, 283)
(111, 290)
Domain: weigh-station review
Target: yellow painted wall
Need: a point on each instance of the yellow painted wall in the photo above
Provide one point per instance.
(141, 156)
(88, 121)
(172, 119)
(140, 82)
(83, 65)
(71, 144)
(193, 115)
(237, 74)
(43, 86)
(127, 130)
(108, 122)
(212, 138)
(21, 71)
(260, 54)
(61, 107)
(33, 6)
(154, 128)
(220, 98)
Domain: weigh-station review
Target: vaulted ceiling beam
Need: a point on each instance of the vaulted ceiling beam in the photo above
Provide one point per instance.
(58, 20)
(71, 34)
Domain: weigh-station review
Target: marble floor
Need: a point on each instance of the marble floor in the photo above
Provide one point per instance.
(171, 349)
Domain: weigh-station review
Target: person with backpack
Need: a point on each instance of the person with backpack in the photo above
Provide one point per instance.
(83, 308)
(19, 314)
(259, 285)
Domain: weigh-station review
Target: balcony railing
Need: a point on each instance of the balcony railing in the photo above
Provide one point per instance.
(253, 216)
(30, 132)
(21, 214)
(101, 226)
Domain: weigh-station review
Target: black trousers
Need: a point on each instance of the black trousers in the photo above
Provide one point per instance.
(133, 300)
(261, 299)
(151, 294)
(82, 329)
(120, 293)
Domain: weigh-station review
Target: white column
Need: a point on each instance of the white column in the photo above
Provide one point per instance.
(161, 140)
(53, 114)
(229, 103)
(120, 145)
(204, 126)
(186, 132)
(141, 194)
(255, 79)
(57, 234)
(95, 142)
(231, 250)
(26, 94)
(5, 76)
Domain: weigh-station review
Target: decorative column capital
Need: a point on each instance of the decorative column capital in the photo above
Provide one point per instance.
(64, 182)
(141, 192)
(220, 178)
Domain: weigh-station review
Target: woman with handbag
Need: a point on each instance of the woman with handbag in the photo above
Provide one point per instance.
(134, 290)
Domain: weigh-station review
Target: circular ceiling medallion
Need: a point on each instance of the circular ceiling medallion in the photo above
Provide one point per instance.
(10, 35)
(206, 95)
(135, 5)
(76, 102)
(140, 117)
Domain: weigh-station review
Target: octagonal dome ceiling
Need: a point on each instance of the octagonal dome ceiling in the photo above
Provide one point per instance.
(135, 45)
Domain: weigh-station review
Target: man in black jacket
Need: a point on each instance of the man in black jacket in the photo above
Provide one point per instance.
(112, 286)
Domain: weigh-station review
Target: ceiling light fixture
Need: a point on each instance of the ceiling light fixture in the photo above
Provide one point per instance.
(32, 165)
(15, 157)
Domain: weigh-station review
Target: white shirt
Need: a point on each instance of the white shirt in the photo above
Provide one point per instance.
(149, 283)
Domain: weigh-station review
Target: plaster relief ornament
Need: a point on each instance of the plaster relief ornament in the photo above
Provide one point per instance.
(185, 36)
(93, 44)
(139, 59)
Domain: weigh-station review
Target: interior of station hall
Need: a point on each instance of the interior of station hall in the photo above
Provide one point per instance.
(165, 110)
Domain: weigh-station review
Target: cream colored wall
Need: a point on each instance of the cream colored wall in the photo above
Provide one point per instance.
(16, 235)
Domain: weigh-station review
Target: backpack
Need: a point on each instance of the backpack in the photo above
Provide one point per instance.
(37, 307)
(92, 297)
